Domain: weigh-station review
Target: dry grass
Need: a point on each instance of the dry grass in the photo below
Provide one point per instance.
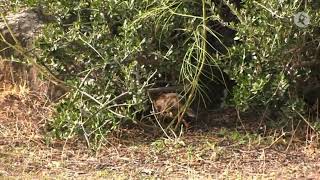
(223, 150)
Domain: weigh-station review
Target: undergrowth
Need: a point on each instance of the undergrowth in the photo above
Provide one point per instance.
(112, 52)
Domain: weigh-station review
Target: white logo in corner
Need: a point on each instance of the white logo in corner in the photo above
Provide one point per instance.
(301, 19)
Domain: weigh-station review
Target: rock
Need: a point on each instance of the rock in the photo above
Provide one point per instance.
(25, 26)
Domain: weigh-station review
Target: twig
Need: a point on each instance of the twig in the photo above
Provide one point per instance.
(165, 89)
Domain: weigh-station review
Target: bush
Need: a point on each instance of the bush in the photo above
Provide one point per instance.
(112, 51)
(268, 65)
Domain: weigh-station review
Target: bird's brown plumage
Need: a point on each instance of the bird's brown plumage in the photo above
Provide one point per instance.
(169, 105)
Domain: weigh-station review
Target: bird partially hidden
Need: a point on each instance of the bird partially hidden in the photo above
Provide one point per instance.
(170, 105)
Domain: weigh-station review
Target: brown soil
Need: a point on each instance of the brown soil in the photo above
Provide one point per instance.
(222, 148)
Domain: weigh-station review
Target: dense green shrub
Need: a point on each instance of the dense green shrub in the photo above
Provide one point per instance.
(268, 64)
(110, 51)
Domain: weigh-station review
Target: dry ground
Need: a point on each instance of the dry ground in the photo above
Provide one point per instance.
(222, 148)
